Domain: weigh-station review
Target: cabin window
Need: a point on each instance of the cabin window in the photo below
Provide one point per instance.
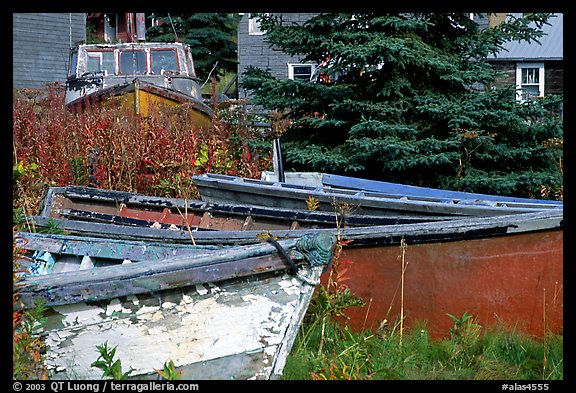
(190, 62)
(73, 63)
(133, 62)
(164, 60)
(301, 71)
(529, 80)
(101, 62)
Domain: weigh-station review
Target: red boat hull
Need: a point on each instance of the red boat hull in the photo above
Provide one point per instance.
(514, 280)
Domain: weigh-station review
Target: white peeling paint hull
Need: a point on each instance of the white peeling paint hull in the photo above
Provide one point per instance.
(237, 329)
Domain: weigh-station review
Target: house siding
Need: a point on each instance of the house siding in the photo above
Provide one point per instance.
(41, 46)
(255, 50)
(554, 74)
(506, 73)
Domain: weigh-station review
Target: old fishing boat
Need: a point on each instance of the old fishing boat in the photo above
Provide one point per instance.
(140, 74)
(217, 313)
(223, 188)
(501, 269)
(126, 208)
(319, 179)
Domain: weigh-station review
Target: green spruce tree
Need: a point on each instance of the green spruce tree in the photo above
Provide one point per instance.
(211, 36)
(396, 98)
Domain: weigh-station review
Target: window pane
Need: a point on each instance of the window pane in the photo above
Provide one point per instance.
(254, 25)
(73, 62)
(302, 72)
(133, 62)
(530, 75)
(93, 62)
(164, 60)
(190, 63)
(530, 91)
(108, 63)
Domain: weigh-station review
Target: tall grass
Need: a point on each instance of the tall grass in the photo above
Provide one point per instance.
(28, 347)
(473, 353)
(326, 348)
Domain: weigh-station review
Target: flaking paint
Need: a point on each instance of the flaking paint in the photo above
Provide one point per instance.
(190, 327)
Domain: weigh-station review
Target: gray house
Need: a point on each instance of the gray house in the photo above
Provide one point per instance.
(41, 45)
(254, 50)
(536, 69)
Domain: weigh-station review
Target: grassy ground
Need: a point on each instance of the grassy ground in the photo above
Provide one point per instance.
(470, 353)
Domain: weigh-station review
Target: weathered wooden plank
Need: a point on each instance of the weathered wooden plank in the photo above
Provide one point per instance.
(65, 291)
(176, 271)
(462, 228)
(104, 248)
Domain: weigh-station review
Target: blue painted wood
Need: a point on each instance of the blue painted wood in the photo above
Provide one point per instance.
(355, 183)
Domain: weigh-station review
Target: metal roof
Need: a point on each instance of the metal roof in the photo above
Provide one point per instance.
(549, 48)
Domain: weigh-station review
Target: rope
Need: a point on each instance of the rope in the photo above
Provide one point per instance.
(282, 251)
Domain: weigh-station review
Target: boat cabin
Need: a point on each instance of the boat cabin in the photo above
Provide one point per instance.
(104, 70)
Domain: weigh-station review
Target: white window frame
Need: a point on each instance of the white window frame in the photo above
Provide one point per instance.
(291, 66)
(519, 85)
(254, 25)
(99, 55)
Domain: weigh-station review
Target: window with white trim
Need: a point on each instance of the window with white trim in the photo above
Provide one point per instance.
(301, 71)
(529, 80)
(101, 61)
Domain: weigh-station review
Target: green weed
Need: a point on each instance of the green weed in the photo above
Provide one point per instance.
(110, 368)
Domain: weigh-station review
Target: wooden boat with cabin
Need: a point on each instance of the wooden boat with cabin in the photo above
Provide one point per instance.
(140, 74)
(216, 313)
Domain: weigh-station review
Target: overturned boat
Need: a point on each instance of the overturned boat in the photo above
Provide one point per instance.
(502, 269)
(140, 74)
(395, 190)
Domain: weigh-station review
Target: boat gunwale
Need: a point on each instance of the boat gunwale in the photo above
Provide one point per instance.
(239, 209)
(152, 275)
(464, 228)
(338, 182)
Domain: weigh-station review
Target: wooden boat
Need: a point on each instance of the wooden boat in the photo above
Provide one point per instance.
(125, 208)
(318, 179)
(141, 74)
(217, 313)
(232, 189)
(501, 269)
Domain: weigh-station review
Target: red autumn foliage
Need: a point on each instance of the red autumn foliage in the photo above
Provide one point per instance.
(111, 147)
